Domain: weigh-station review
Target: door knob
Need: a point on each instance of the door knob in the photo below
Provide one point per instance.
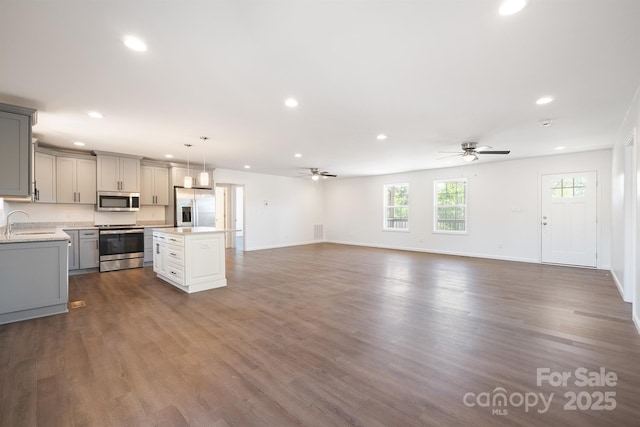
(544, 223)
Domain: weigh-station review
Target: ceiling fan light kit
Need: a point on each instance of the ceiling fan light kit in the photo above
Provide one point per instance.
(469, 156)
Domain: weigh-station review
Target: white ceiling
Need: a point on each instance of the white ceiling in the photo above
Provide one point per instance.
(430, 74)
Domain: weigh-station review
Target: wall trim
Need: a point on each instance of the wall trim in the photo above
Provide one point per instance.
(618, 283)
(435, 251)
(284, 245)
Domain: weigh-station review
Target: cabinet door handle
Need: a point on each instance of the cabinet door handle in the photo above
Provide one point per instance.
(157, 248)
(78, 197)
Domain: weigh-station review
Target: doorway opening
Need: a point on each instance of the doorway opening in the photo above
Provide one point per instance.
(230, 214)
(630, 185)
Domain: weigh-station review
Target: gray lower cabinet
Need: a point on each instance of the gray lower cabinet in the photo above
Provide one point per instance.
(83, 252)
(27, 292)
(88, 244)
(74, 250)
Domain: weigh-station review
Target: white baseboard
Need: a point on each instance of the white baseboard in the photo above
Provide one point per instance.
(618, 285)
(284, 245)
(435, 251)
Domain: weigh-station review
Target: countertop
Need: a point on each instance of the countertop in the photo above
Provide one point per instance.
(24, 232)
(34, 235)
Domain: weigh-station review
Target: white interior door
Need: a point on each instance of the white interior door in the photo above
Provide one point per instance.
(569, 221)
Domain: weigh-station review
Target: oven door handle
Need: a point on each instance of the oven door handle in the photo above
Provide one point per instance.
(121, 231)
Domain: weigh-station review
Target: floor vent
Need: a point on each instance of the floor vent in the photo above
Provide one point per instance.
(77, 304)
(318, 232)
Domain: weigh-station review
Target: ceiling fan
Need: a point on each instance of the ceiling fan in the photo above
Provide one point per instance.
(470, 151)
(316, 173)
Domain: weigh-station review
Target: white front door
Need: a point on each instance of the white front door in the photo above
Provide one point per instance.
(569, 223)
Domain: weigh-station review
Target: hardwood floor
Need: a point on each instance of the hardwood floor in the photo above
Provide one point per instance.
(326, 335)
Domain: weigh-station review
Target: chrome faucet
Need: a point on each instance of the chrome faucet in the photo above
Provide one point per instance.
(7, 231)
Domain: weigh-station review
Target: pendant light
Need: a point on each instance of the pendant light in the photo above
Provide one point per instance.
(188, 179)
(203, 180)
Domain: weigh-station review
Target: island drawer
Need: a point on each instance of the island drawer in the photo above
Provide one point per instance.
(175, 240)
(175, 253)
(175, 273)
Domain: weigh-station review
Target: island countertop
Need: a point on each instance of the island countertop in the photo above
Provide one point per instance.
(191, 230)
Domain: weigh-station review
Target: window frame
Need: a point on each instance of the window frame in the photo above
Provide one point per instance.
(436, 205)
(385, 220)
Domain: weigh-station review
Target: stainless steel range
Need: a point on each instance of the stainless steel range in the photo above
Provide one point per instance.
(121, 247)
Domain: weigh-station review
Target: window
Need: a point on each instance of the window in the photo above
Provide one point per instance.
(396, 207)
(450, 206)
(568, 187)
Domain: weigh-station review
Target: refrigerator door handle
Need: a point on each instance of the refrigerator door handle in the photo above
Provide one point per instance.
(194, 219)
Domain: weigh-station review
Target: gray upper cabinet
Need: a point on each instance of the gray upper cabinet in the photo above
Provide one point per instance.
(15, 146)
(75, 180)
(45, 182)
(118, 173)
(154, 185)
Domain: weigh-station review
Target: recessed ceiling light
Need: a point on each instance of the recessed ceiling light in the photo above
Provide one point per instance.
(79, 144)
(510, 7)
(135, 43)
(381, 137)
(544, 100)
(298, 155)
(247, 166)
(169, 156)
(95, 114)
(560, 148)
(291, 103)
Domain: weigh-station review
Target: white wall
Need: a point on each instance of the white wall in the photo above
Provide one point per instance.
(278, 211)
(504, 208)
(621, 250)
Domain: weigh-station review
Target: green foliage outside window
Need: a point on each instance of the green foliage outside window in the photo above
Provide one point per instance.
(396, 207)
(451, 205)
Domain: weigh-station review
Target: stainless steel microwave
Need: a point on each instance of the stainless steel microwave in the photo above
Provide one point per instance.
(116, 201)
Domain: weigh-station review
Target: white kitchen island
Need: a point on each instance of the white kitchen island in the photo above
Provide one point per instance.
(190, 258)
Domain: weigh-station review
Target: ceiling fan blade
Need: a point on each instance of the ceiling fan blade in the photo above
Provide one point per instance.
(453, 155)
(494, 152)
(330, 175)
(482, 148)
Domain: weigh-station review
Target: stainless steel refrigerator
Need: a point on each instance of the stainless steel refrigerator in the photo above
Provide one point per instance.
(195, 207)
